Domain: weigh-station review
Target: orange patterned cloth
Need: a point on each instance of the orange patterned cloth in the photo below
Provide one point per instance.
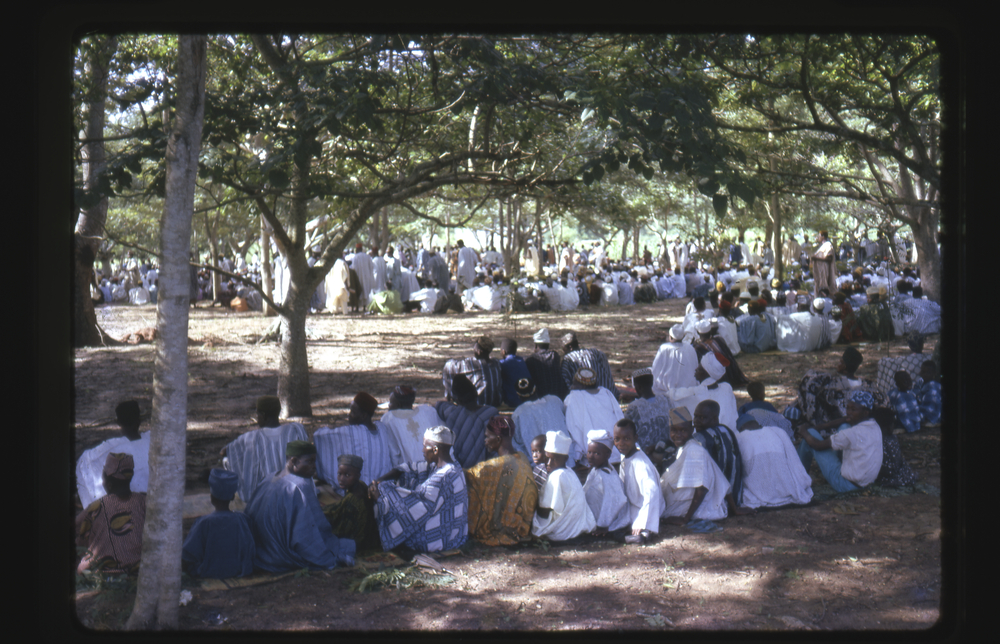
(502, 500)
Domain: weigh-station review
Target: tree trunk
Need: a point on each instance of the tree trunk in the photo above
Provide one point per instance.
(635, 243)
(293, 370)
(265, 267)
(159, 582)
(90, 222)
(928, 259)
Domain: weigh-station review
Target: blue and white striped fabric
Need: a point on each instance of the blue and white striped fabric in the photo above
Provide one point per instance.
(592, 359)
(375, 448)
(469, 428)
(428, 510)
(260, 454)
(485, 375)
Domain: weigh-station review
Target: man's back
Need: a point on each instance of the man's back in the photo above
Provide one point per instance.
(260, 453)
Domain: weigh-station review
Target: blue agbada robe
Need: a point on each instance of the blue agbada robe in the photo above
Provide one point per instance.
(290, 529)
(220, 546)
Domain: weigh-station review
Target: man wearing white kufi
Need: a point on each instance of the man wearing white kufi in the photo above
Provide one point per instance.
(708, 373)
(562, 511)
(693, 487)
(675, 363)
(807, 330)
(603, 487)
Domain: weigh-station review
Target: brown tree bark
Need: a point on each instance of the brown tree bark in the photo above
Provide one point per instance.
(90, 222)
(159, 582)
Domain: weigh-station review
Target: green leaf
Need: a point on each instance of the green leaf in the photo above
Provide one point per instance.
(719, 202)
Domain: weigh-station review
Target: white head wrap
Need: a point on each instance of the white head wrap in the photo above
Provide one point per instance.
(703, 326)
(601, 437)
(440, 435)
(677, 332)
(715, 323)
(819, 304)
(557, 442)
(542, 337)
(712, 366)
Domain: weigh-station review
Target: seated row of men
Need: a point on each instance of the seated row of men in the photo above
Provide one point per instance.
(378, 451)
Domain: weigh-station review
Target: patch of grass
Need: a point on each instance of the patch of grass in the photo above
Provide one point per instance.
(793, 574)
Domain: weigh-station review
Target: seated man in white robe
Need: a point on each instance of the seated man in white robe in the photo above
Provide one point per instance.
(808, 329)
(693, 487)
(562, 512)
(674, 364)
(603, 487)
(588, 406)
(773, 474)
(259, 454)
(640, 482)
(90, 467)
(406, 424)
(707, 374)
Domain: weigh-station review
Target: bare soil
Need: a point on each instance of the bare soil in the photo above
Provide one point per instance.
(865, 563)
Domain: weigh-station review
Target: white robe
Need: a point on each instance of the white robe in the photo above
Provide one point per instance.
(570, 516)
(466, 267)
(689, 397)
(727, 331)
(586, 411)
(534, 418)
(609, 294)
(409, 285)
(773, 474)
(606, 498)
(337, 281)
(406, 430)
(362, 265)
(642, 489)
(380, 274)
(674, 366)
(694, 468)
(804, 331)
(483, 297)
(90, 467)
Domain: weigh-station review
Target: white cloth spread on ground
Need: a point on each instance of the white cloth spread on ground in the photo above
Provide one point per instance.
(772, 470)
(694, 468)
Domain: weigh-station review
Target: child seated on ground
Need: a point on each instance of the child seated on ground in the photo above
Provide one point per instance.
(348, 508)
(928, 392)
(603, 487)
(904, 402)
(538, 469)
(693, 487)
(562, 513)
(641, 484)
(220, 545)
(756, 391)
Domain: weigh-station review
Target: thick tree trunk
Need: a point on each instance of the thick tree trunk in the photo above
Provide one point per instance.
(160, 572)
(293, 369)
(90, 222)
(928, 259)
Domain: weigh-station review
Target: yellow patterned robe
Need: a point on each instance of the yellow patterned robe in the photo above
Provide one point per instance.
(502, 500)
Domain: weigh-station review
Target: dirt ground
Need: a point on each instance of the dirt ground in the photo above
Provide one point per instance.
(865, 563)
